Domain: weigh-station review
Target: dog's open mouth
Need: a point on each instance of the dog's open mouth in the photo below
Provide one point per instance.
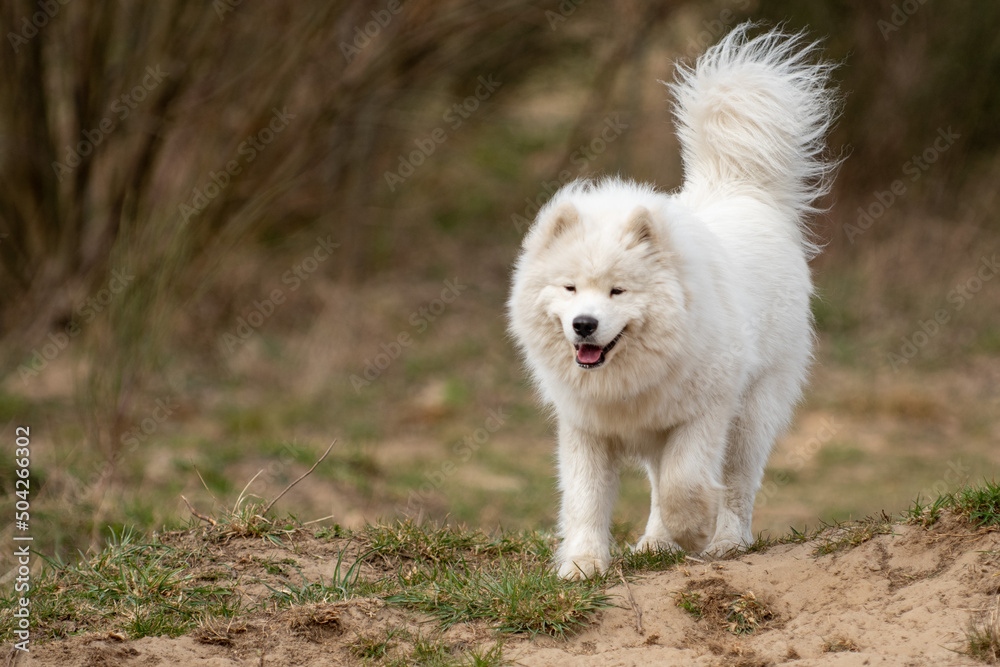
(592, 356)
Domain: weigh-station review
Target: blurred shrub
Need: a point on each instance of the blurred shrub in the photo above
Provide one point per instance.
(148, 149)
(158, 139)
(151, 121)
(910, 68)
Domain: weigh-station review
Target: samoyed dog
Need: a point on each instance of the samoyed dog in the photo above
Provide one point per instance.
(675, 329)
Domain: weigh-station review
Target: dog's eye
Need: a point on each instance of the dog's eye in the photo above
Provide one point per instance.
(616, 291)
(570, 288)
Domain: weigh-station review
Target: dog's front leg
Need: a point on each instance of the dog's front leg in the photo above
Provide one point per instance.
(588, 481)
(690, 471)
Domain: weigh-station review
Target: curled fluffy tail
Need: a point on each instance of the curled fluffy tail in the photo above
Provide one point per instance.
(755, 113)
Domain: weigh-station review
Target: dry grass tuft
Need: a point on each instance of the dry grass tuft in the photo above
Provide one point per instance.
(725, 608)
(984, 635)
(839, 644)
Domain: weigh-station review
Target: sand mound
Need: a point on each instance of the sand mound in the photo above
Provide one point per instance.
(902, 598)
(878, 593)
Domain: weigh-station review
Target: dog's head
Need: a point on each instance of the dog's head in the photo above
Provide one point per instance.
(595, 291)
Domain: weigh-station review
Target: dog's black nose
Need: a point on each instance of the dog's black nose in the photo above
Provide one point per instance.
(584, 325)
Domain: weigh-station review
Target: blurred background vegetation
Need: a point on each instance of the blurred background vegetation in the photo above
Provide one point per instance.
(228, 231)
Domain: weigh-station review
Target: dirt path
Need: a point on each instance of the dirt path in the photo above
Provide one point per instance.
(901, 598)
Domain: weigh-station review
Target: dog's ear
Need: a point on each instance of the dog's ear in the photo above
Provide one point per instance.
(639, 229)
(558, 222)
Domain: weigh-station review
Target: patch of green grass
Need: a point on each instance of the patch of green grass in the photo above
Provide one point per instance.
(436, 544)
(849, 535)
(793, 536)
(483, 656)
(690, 601)
(649, 560)
(139, 588)
(370, 648)
(980, 505)
(762, 543)
(331, 532)
(342, 585)
(308, 593)
(510, 596)
(925, 514)
(430, 651)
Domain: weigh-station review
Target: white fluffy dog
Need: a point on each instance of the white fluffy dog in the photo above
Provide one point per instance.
(675, 329)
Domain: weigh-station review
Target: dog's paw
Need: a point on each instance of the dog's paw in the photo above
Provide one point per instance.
(723, 548)
(654, 543)
(576, 568)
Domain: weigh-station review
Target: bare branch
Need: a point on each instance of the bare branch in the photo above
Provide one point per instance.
(302, 477)
(198, 514)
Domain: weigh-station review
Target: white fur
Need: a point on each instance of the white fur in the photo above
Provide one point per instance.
(716, 327)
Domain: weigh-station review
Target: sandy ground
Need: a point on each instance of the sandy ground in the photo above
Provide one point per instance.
(904, 598)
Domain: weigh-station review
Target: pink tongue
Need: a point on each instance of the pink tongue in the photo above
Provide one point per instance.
(588, 354)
